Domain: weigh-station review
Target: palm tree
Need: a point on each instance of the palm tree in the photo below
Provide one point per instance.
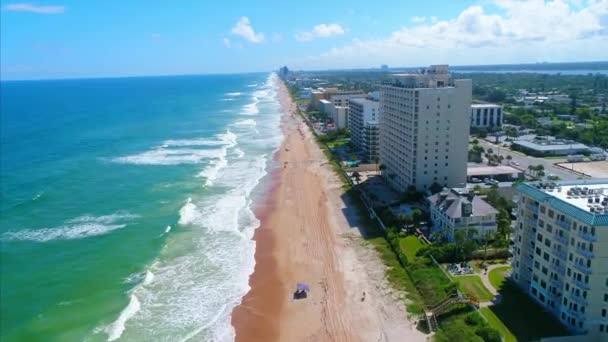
(382, 167)
(357, 176)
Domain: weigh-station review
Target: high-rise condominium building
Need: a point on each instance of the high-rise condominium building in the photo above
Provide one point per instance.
(424, 129)
(363, 115)
(560, 252)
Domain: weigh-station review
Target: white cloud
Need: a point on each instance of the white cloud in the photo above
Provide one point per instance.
(244, 29)
(534, 30)
(227, 43)
(418, 20)
(320, 31)
(25, 7)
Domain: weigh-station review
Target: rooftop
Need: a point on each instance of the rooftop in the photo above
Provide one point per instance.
(550, 144)
(491, 170)
(485, 105)
(452, 201)
(585, 199)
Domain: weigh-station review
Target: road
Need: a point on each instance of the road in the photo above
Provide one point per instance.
(525, 161)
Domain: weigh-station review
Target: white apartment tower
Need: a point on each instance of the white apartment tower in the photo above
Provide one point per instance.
(363, 115)
(424, 129)
(560, 252)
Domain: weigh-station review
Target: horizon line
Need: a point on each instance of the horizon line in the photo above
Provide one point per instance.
(299, 70)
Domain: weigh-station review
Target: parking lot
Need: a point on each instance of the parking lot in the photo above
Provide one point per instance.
(595, 169)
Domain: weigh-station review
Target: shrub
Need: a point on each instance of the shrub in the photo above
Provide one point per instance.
(488, 334)
(474, 319)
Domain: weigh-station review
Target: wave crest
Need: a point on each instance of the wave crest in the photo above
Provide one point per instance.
(77, 228)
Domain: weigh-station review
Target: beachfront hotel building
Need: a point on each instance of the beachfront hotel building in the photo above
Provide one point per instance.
(424, 129)
(459, 209)
(363, 115)
(486, 115)
(560, 252)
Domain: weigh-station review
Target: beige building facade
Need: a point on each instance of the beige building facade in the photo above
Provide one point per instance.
(424, 129)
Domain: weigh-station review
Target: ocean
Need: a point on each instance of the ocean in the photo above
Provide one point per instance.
(126, 204)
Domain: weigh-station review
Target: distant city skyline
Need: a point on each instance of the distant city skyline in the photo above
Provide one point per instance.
(71, 39)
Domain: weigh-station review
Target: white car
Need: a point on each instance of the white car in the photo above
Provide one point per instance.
(515, 163)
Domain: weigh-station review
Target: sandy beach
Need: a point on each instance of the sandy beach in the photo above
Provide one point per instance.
(309, 235)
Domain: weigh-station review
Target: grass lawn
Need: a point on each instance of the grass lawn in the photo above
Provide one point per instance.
(497, 324)
(337, 143)
(462, 324)
(397, 275)
(410, 245)
(472, 286)
(432, 284)
(497, 276)
(524, 318)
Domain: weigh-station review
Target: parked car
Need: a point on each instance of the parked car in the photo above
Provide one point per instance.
(475, 180)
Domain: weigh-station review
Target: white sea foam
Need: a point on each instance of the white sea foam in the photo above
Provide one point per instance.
(167, 230)
(194, 142)
(239, 153)
(38, 195)
(203, 271)
(77, 228)
(212, 170)
(251, 108)
(182, 151)
(165, 156)
(148, 279)
(188, 213)
(246, 122)
(116, 329)
(233, 94)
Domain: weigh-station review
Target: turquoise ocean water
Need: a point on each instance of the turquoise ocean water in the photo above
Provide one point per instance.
(125, 204)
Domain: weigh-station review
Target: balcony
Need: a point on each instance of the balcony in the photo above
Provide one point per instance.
(563, 224)
(585, 252)
(587, 236)
(561, 239)
(583, 268)
(577, 314)
(558, 284)
(559, 253)
(533, 208)
(578, 299)
(581, 285)
(530, 222)
(558, 268)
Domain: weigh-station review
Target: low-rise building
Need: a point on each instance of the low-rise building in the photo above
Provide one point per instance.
(486, 115)
(549, 147)
(363, 116)
(461, 209)
(560, 251)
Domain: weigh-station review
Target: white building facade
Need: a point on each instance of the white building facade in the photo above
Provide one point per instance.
(363, 116)
(486, 115)
(424, 129)
(560, 252)
(458, 209)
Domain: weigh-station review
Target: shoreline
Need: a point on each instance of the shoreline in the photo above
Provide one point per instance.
(308, 234)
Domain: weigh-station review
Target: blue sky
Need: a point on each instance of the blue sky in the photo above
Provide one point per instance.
(61, 38)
